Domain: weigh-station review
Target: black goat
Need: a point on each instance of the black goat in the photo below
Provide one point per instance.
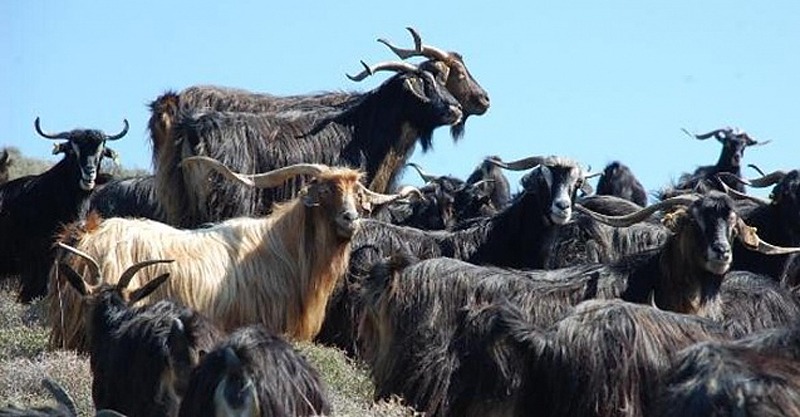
(141, 358)
(34, 207)
(446, 203)
(734, 142)
(376, 132)
(618, 180)
(752, 303)
(731, 379)
(127, 197)
(489, 174)
(255, 373)
(448, 68)
(604, 359)
(5, 163)
(777, 221)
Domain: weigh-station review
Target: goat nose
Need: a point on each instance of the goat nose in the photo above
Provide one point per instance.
(722, 250)
(561, 204)
(350, 215)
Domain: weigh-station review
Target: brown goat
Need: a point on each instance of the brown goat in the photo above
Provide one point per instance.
(277, 270)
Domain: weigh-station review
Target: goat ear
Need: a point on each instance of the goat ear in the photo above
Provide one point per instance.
(60, 148)
(147, 289)
(674, 219)
(747, 234)
(73, 278)
(416, 86)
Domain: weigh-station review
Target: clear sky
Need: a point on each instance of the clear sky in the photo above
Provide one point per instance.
(592, 80)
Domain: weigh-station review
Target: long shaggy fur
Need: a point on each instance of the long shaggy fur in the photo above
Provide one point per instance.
(281, 381)
(278, 271)
(127, 197)
(751, 303)
(410, 332)
(723, 379)
(618, 180)
(602, 360)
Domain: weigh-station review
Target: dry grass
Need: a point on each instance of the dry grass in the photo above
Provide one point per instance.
(25, 361)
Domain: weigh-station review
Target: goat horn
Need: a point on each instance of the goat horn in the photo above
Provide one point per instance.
(596, 174)
(62, 135)
(763, 182)
(120, 134)
(419, 49)
(424, 175)
(751, 240)
(757, 169)
(735, 193)
(60, 394)
(269, 179)
(521, 164)
(638, 216)
(126, 276)
(395, 66)
(108, 413)
(93, 266)
(4, 156)
(378, 198)
(705, 136)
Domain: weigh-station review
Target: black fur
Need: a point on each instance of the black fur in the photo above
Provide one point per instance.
(376, 131)
(618, 180)
(127, 197)
(33, 209)
(284, 382)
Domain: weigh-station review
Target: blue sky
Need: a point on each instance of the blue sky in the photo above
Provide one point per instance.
(592, 80)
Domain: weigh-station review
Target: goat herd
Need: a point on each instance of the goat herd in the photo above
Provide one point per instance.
(271, 217)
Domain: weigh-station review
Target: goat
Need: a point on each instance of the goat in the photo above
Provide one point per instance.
(448, 68)
(777, 220)
(751, 303)
(5, 163)
(446, 204)
(255, 373)
(724, 379)
(604, 359)
(734, 141)
(377, 133)
(127, 197)
(277, 270)
(26, 234)
(489, 173)
(140, 357)
(409, 331)
(618, 180)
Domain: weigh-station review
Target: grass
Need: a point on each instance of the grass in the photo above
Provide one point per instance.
(25, 361)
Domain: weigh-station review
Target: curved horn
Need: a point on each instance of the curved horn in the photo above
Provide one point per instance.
(395, 66)
(93, 266)
(60, 394)
(592, 175)
(705, 136)
(378, 198)
(120, 134)
(62, 135)
(419, 49)
(638, 216)
(735, 193)
(757, 169)
(519, 165)
(269, 179)
(126, 276)
(424, 175)
(751, 240)
(108, 413)
(763, 182)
